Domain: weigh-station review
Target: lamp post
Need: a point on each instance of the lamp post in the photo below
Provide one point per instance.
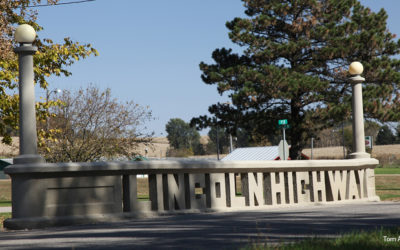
(25, 35)
(48, 93)
(356, 69)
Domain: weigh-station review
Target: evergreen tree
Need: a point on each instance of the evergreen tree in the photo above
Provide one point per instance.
(385, 136)
(221, 136)
(294, 66)
(182, 136)
(397, 134)
(242, 138)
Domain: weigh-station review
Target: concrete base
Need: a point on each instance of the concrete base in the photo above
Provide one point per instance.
(359, 155)
(46, 222)
(59, 196)
(26, 159)
(374, 199)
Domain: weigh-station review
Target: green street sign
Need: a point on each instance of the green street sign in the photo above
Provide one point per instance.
(282, 122)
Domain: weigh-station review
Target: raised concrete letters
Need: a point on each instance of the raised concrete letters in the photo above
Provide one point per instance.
(337, 185)
(318, 186)
(202, 186)
(217, 197)
(351, 186)
(197, 182)
(176, 191)
(233, 200)
(156, 192)
(303, 187)
(255, 194)
(277, 188)
(289, 188)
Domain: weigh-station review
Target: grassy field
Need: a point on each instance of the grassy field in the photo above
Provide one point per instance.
(143, 189)
(388, 187)
(351, 241)
(388, 155)
(387, 170)
(5, 193)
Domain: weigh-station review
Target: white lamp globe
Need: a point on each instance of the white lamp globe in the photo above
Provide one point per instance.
(25, 34)
(356, 68)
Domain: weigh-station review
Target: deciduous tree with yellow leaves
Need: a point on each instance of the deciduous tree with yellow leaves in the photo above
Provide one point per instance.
(51, 59)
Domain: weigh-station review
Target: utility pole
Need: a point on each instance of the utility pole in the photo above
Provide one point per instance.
(231, 143)
(312, 148)
(217, 145)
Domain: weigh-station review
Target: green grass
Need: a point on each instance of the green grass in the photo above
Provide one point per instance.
(5, 193)
(389, 197)
(387, 170)
(388, 187)
(143, 197)
(354, 241)
(5, 203)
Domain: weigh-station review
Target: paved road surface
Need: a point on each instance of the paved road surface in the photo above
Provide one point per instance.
(212, 230)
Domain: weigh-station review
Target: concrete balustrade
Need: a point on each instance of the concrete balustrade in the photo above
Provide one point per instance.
(45, 194)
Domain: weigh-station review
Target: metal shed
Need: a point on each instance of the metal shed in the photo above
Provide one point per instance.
(268, 153)
(253, 154)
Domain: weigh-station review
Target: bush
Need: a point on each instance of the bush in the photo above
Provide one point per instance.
(91, 125)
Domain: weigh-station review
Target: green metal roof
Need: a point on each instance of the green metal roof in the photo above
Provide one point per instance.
(139, 158)
(5, 162)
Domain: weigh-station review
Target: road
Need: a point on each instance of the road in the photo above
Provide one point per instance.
(212, 230)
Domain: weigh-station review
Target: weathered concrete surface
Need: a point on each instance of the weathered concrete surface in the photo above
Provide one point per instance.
(213, 230)
(67, 193)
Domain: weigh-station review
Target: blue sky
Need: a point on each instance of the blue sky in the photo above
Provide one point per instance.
(150, 50)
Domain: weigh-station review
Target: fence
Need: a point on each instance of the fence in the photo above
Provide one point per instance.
(330, 144)
(336, 142)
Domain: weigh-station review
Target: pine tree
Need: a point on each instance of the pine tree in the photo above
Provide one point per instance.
(220, 136)
(397, 134)
(385, 136)
(294, 66)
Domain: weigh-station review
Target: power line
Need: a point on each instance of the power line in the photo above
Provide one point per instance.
(46, 5)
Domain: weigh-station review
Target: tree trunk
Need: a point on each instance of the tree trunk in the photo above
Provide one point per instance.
(296, 131)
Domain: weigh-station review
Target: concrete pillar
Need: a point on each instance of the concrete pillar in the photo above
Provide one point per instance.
(356, 69)
(27, 118)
